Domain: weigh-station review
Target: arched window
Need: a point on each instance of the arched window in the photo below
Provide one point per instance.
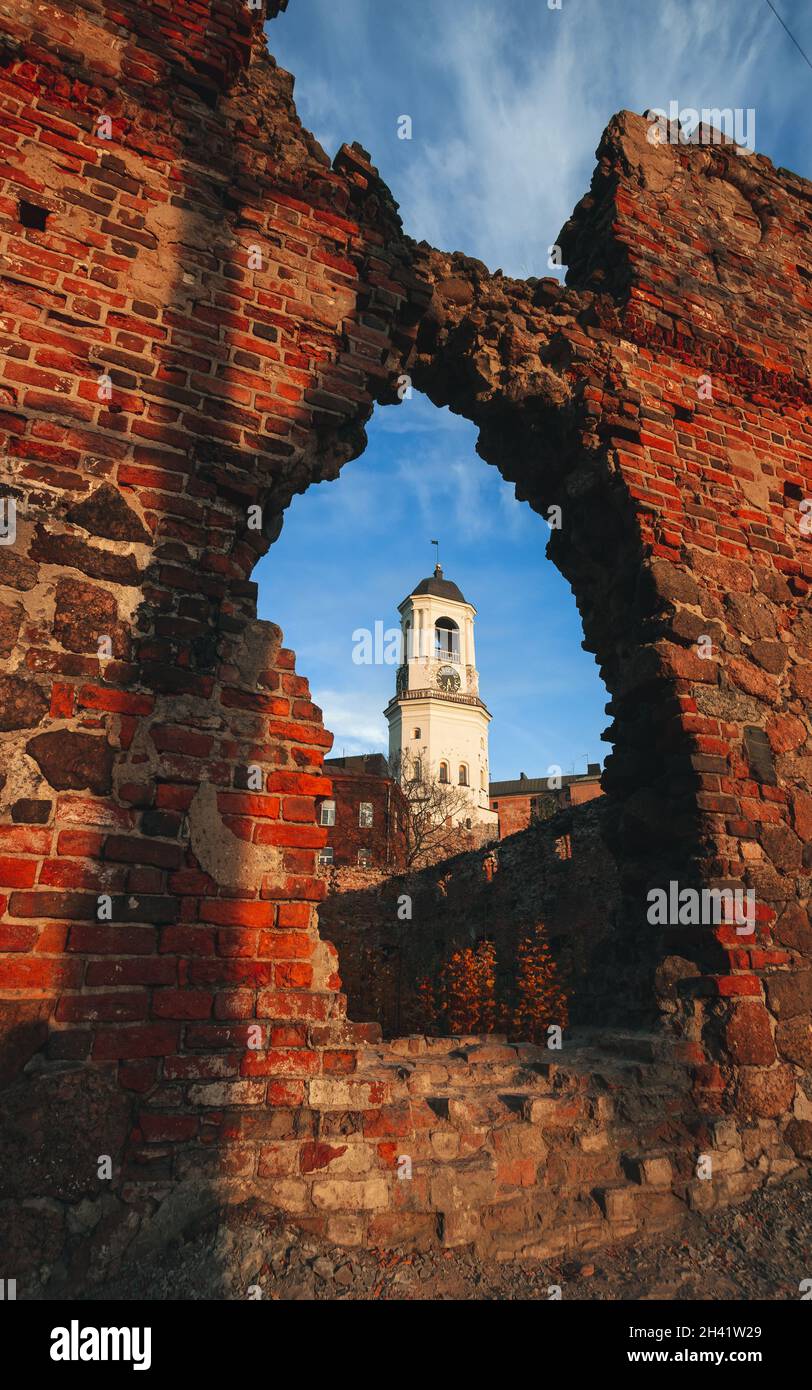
(443, 772)
(446, 640)
(416, 734)
(463, 775)
(418, 770)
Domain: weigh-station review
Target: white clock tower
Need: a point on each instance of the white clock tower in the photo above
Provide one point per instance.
(438, 726)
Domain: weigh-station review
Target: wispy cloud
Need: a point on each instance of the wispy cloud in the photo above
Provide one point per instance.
(509, 101)
(356, 721)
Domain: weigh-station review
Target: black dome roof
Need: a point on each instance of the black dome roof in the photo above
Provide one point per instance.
(438, 587)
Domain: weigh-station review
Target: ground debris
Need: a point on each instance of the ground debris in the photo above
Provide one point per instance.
(756, 1251)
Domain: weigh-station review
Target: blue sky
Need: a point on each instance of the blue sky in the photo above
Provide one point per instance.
(508, 100)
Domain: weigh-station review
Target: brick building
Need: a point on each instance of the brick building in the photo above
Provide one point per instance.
(526, 799)
(365, 816)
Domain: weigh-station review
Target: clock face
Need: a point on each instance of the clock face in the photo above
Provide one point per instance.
(447, 679)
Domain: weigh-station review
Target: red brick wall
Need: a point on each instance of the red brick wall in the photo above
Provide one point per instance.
(202, 327)
(158, 871)
(516, 811)
(513, 812)
(694, 500)
(385, 839)
(579, 792)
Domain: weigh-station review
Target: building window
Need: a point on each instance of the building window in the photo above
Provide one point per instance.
(443, 772)
(364, 858)
(496, 805)
(418, 770)
(482, 782)
(416, 734)
(327, 813)
(446, 640)
(468, 824)
(326, 854)
(365, 813)
(463, 775)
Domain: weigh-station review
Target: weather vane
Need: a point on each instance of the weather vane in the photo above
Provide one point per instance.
(437, 552)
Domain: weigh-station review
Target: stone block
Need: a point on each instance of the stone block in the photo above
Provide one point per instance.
(346, 1230)
(725, 1133)
(459, 1227)
(337, 1094)
(443, 1144)
(550, 1112)
(650, 1171)
(337, 1194)
(594, 1143)
(616, 1203)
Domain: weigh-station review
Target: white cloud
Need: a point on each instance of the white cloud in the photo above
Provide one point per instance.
(509, 100)
(417, 415)
(356, 721)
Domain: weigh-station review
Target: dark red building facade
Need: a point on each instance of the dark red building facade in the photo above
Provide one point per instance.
(525, 799)
(365, 814)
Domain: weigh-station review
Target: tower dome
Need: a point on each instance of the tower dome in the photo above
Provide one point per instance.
(438, 586)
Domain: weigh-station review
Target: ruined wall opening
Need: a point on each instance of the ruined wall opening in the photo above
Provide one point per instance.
(347, 555)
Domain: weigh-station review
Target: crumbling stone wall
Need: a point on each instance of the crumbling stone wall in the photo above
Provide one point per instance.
(393, 931)
(199, 313)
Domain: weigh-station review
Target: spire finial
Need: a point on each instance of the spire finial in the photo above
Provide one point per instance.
(438, 569)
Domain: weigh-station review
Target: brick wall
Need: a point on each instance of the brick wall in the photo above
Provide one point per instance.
(516, 809)
(198, 314)
(514, 814)
(497, 893)
(384, 841)
(580, 792)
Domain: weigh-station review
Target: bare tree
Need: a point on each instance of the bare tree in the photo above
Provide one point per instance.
(434, 812)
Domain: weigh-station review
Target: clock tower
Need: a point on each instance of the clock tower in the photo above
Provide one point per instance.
(438, 725)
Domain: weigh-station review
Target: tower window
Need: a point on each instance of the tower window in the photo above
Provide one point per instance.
(417, 734)
(443, 772)
(327, 813)
(463, 777)
(365, 813)
(418, 770)
(446, 640)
